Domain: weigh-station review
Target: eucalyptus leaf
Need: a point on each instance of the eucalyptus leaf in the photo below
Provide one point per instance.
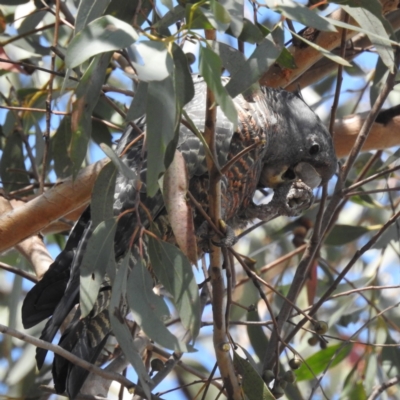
(117, 311)
(123, 168)
(253, 385)
(138, 106)
(152, 60)
(258, 63)
(101, 206)
(342, 234)
(235, 9)
(59, 144)
(320, 360)
(150, 310)
(324, 52)
(94, 263)
(12, 166)
(210, 66)
(174, 271)
(232, 59)
(161, 114)
(88, 11)
(171, 17)
(88, 93)
(373, 27)
(102, 35)
(300, 13)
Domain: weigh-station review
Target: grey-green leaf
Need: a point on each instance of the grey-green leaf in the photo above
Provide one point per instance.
(12, 164)
(210, 68)
(253, 385)
(342, 234)
(138, 105)
(101, 207)
(323, 51)
(161, 125)
(88, 11)
(100, 36)
(94, 263)
(174, 271)
(300, 13)
(117, 312)
(376, 33)
(235, 8)
(151, 60)
(88, 93)
(123, 168)
(262, 58)
(150, 310)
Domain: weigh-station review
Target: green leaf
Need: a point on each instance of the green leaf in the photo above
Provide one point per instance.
(102, 35)
(174, 271)
(118, 309)
(235, 9)
(59, 144)
(122, 168)
(138, 106)
(324, 52)
(373, 27)
(300, 13)
(135, 11)
(232, 59)
(168, 4)
(152, 60)
(150, 310)
(196, 18)
(262, 58)
(171, 17)
(161, 113)
(12, 165)
(220, 14)
(88, 11)
(390, 235)
(216, 22)
(253, 385)
(257, 337)
(286, 60)
(342, 234)
(94, 263)
(88, 93)
(319, 361)
(183, 81)
(251, 33)
(210, 68)
(101, 206)
(100, 132)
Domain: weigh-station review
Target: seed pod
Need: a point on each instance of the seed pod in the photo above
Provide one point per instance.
(289, 376)
(268, 375)
(321, 327)
(295, 363)
(313, 340)
(156, 364)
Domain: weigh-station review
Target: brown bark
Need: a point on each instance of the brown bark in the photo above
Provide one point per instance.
(31, 218)
(382, 135)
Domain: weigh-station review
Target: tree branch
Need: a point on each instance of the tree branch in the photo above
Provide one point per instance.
(306, 56)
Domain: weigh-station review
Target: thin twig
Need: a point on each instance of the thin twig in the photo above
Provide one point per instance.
(70, 357)
(19, 272)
